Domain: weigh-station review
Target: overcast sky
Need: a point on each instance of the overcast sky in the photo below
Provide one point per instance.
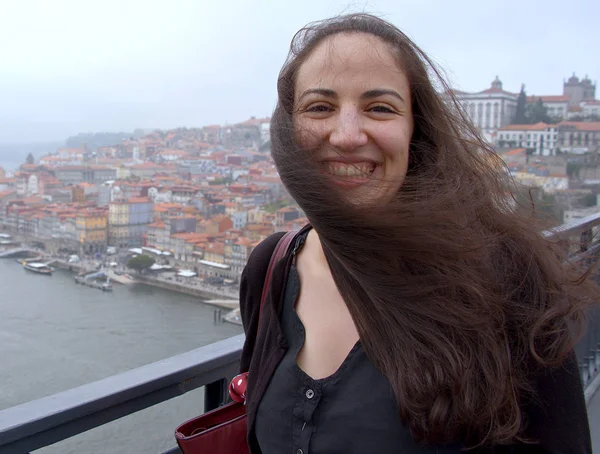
(69, 66)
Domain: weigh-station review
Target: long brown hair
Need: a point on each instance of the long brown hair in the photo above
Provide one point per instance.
(456, 295)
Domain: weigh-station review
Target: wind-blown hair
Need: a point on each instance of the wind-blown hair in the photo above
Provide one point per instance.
(457, 297)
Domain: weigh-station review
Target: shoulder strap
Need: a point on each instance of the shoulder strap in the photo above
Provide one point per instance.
(279, 252)
(239, 384)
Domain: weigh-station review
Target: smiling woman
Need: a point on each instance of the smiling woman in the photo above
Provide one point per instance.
(353, 106)
(419, 311)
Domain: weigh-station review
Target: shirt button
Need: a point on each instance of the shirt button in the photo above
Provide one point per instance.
(309, 395)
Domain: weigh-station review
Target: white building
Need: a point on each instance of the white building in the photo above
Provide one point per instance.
(557, 106)
(32, 185)
(590, 108)
(239, 219)
(489, 109)
(541, 137)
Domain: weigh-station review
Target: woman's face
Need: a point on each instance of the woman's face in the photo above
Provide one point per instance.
(352, 106)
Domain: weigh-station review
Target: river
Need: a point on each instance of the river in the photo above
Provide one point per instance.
(55, 335)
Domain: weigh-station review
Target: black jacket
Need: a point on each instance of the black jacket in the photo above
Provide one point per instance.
(559, 422)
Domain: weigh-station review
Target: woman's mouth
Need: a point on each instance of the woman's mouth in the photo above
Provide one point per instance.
(354, 171)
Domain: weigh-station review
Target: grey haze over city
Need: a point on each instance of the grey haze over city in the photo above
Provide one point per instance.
(71, 66)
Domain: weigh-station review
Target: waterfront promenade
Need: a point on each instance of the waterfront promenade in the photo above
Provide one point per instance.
(121, 274)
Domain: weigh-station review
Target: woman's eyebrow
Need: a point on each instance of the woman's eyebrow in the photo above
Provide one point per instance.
(369, 94)
(319, 91)
(381, 92)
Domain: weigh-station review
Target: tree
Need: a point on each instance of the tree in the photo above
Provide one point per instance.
(141, 262)
(273, 207)
(573, 169)
(537, 112)
(519, 118)
(30, 159)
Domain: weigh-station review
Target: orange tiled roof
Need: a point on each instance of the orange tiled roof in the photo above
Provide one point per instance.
(582, 125)
(550, 98)
(497, 90)
(515, 152)
(139, 200)
(7, 193)
(536, 127)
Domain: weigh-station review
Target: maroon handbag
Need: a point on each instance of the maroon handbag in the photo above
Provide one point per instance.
(223, 430)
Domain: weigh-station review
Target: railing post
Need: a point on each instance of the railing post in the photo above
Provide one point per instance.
(585, 240)
(214, 395)
(591, 367)
(583, 372)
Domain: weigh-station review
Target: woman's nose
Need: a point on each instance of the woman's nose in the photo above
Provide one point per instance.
(348, 132)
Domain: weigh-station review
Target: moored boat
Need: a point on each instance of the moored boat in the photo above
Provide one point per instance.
(37, 267)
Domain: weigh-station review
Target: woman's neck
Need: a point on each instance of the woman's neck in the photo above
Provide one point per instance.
(314, 249)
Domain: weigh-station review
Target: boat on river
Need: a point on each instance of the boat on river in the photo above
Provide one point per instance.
(38, 267)
(91, 282)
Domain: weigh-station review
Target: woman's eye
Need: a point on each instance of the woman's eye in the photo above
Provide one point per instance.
(382, 109)
(319, 108)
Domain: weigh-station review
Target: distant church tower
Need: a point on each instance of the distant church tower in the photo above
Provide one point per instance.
(579, 90)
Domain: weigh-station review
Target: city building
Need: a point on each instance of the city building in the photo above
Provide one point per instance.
(287, 214)
(579, 90)
(91, 230)
(489, 109)
(590, 109)
(239, 219)
(540, 138)
(71, 175)
(579, 136)
(128, 221)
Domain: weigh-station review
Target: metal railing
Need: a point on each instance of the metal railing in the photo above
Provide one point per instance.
(579, 239)
(48, 420)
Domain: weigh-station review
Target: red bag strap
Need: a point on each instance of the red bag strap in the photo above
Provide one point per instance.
(279, 252)
(239, 384)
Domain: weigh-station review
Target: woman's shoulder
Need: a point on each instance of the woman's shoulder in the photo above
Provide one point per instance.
(263, 250)
(258, 261)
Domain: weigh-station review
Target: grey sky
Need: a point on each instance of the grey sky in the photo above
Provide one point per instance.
(69, 66)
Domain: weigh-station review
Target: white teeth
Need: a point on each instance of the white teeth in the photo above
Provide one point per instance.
(358, 170)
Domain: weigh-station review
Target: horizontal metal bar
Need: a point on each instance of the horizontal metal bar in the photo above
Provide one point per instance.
(45, 421)
(574, 226)
(173, 451)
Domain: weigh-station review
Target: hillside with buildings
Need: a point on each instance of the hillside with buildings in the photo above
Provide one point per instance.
(550, 143)
(205, 197)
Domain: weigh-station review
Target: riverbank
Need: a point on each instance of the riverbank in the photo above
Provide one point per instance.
(197, 289)
(221, 297)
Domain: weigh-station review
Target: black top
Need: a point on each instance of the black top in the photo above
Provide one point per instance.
(558, 418)
(351, 411)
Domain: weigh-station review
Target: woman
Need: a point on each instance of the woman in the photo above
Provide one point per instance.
(420, 311)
